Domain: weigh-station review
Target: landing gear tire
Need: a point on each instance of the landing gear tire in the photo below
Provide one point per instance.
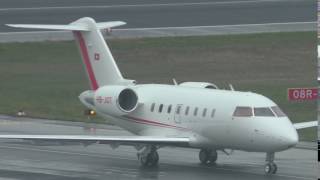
(150, 160)
(270, 168)
(275, 168)
(208, 157)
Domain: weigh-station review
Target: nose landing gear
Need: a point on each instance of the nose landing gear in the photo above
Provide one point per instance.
(270, 167)
(207, 156)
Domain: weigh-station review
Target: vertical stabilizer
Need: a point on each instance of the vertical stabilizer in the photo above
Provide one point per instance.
(97, 58)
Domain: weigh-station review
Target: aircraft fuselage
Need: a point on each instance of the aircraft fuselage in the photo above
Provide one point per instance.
(207, 115)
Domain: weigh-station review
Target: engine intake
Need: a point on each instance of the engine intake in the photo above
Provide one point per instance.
(116, 100)
(127, 100)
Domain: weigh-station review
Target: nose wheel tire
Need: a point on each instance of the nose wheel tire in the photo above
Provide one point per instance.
(208, 157)
(270, 168)
(150, 160)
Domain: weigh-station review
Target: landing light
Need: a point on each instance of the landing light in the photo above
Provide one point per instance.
(90, 112)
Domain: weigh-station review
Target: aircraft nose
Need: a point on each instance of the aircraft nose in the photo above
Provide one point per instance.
(291, 137)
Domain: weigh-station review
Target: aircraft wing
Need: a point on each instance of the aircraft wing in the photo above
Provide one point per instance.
(119, 140)
(303, 125)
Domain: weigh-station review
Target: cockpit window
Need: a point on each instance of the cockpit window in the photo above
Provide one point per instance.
(243, 111)
(264, 111)
(278, 111)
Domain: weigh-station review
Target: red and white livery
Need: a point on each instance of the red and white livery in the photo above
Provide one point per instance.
(190, 114)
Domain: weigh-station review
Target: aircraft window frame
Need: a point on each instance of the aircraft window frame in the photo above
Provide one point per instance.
(187, 110)
(195, 112)
(160, 108)
(152, 107)
(169, 109)
(204, 112)
(247, 111)
(263, 112)
(277, 111)
(213, 112)
(178, 109)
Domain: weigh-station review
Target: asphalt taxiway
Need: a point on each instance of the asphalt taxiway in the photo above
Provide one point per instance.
(27, 160)
(158, 18)
(163, 13)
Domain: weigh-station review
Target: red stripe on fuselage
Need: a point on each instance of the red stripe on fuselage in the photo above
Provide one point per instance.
(86, 59)
(144, 121)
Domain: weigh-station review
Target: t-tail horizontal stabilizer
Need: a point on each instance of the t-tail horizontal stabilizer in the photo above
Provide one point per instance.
(70, 27)
(97, 59)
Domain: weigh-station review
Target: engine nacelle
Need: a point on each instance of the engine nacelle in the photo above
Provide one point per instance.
(116, 100)
(199, 85)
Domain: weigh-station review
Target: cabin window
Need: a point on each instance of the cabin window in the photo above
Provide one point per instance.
(243, 111)
(278, 111)
(152, 107)
(160, 108)
(213, 112)
(178, 109)
(187, 110)
(263, 111)
(195, 112)
(169, 109)
(204, 112)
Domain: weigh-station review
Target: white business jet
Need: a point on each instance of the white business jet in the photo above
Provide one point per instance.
(190, 114)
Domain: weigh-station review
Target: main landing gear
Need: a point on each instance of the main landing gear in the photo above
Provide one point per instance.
(208, 156)
(149, 156)
(270, 167)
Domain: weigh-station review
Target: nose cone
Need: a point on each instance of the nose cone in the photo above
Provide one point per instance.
(291, 137)
(284, 136)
